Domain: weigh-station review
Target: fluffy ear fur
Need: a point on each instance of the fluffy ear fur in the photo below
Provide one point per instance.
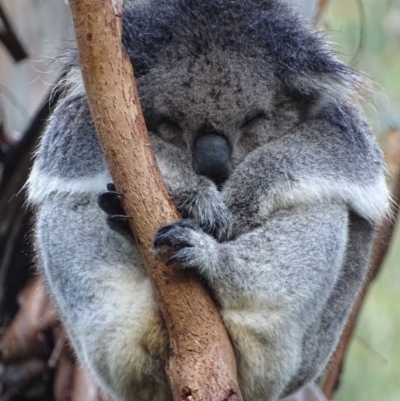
(304, 61)
(326, 89)
(261, 28)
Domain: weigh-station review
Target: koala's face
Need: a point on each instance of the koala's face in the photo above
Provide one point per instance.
(217, 108)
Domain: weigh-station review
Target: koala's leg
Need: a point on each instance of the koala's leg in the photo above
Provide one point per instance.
(337, 308)
(272, 284)
(98, 281)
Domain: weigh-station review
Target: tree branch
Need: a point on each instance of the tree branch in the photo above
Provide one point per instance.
(201, 364)
(10, 39)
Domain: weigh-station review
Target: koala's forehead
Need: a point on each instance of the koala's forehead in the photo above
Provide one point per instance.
(214, 85)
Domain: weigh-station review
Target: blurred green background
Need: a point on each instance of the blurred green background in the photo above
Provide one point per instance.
(372, 368)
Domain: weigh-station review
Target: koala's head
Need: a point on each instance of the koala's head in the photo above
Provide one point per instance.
(220, 78)
(216, 106)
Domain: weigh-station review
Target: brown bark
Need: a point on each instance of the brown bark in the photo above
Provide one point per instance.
(201, 364)
(24, 336)
(83, 387)
(379, 251)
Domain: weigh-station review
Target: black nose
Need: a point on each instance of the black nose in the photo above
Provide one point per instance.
(212, 157)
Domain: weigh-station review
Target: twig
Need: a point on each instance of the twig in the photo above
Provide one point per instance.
(362, 36)
(321, 7)
(9, 38)
(84, 388)
(63, 382)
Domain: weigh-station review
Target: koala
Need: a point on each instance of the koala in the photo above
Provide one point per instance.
(256, 130)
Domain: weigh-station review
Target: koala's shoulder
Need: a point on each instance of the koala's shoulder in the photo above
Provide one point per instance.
(69, 147)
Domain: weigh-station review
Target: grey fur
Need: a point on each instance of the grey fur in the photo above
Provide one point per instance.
(291, 227)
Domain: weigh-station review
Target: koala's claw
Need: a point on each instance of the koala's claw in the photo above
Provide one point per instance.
(111, 187)
(173, 234)
(190, 246)
(184, 223)
(181, 258)
(110, 202)
(119, 223)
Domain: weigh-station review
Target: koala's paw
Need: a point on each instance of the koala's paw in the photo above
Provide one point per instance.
(210, 212)
(191, 247)
(110, 203)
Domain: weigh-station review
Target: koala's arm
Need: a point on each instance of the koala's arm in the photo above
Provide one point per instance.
(273, 284)
(316, 163)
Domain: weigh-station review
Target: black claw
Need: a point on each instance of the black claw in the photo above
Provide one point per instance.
(119, 223)
(174, 260)
(165, 235)
(163, 238)
(184, 223)
(173, 238)
(181, 258)
(110, 202)
(111, 187)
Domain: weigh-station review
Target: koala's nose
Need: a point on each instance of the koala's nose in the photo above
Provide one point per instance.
(212, 157)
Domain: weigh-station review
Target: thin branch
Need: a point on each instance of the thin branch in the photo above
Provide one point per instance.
(321, 8)
(362, 35)
(10, 39)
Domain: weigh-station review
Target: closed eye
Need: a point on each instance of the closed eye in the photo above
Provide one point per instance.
(254, 118)
(170, 123)
(170, 131)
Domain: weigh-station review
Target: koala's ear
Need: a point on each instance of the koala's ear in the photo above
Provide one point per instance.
(328, 88)
(304, 60)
